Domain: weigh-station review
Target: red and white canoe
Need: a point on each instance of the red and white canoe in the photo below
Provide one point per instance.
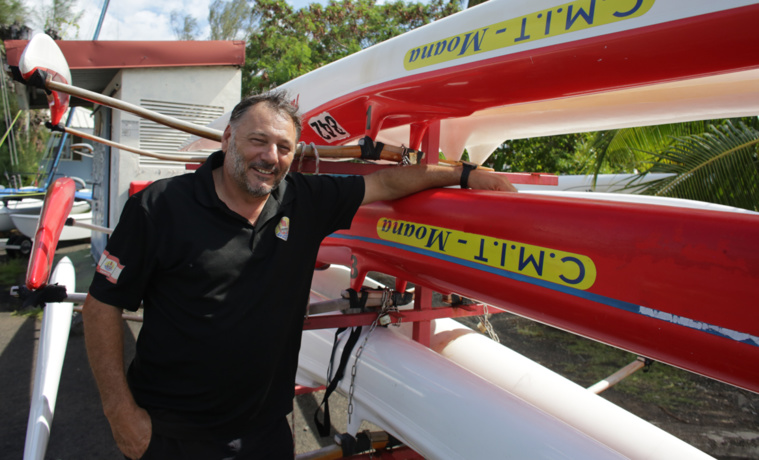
(510, 69)
(670, 283)
(674, 284)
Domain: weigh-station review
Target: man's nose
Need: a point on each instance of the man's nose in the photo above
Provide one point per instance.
(269, 153)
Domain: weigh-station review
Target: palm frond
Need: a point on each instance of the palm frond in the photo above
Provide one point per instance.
(719, 166)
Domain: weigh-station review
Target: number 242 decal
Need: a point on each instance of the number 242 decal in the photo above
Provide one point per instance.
(327, 127)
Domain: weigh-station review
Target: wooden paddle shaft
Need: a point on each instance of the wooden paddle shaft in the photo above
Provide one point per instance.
(343, 151)
(202, 131)
(158, 156)
(389, 152)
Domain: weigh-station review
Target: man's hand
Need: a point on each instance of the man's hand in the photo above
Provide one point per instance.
(104, 339)
(132, 430)
(486, 180)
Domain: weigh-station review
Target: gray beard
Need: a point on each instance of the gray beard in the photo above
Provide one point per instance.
(240, 173)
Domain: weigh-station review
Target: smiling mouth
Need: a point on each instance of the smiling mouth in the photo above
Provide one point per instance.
(266, 172)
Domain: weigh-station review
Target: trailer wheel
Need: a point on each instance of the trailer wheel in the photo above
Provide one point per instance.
(12, 241)
(26, 246)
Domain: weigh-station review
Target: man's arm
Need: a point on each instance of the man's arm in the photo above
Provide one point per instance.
(104, 340)
(394, 183)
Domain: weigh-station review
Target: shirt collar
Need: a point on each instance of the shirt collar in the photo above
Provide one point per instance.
(205, 191)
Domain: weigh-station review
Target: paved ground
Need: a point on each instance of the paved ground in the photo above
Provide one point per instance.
(80, 431)
(729, 429)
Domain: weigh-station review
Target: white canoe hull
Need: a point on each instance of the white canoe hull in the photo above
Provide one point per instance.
(474, 398)
(54, 335)
(27, 223)
(25, 206)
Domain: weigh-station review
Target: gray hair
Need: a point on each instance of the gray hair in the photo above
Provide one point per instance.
(277, 100)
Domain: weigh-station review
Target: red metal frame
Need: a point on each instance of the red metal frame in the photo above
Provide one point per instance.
(423, 312)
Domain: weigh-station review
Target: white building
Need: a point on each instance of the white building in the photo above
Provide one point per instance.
(194, 81)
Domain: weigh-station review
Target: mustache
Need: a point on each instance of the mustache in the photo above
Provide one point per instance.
(264, 165)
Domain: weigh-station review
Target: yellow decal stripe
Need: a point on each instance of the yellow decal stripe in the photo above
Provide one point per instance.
(559, 20)
(564, 268)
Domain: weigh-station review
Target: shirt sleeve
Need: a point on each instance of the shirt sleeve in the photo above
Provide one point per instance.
(336, 200)
(125, 267)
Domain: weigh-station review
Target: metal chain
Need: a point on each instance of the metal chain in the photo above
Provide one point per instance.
(386, 304)
(405, 158)
(485, 324)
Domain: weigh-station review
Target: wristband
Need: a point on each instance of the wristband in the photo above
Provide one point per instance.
(467, 168)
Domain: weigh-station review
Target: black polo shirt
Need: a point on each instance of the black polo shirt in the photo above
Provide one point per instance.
(224, 301)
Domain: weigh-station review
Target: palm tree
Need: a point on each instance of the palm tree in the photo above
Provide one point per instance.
(713, 161)
(717, 166)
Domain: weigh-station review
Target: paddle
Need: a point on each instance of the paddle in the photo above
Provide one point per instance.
(158, 156)
(389, 152)
(43, 65)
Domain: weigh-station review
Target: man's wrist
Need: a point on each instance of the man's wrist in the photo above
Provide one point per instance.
(467, 168)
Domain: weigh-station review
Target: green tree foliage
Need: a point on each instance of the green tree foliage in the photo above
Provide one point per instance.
(184, 26)
(12, 11)
(631, 149)
(230, 20)
(29, 140)
(711, 160)
(472, 3)
(717, 166)
(287, 43)
(60, 19)
(551, 154)
(13, 17)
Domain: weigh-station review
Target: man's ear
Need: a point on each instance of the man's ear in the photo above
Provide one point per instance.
(225, 138)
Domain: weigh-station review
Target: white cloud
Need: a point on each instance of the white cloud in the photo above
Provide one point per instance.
(139, 19)
(132, 19)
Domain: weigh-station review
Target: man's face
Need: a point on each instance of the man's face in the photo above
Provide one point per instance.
(259, 150)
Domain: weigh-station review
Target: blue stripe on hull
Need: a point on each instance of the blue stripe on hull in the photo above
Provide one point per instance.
(615, 303)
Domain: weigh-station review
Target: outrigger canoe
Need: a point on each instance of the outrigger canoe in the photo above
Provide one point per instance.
(669, 280)
(675, 284)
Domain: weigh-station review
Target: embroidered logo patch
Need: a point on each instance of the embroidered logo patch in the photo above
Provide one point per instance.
(109, 266)
(283, 229)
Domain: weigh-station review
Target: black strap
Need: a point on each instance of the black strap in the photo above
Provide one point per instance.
(38, 80)
(40, 297)
(54, 128)
(355, 302)
(466, 169)
(325, 426)
(16, 73)
(370, 150)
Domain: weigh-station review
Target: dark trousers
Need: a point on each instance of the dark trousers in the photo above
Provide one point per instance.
(274, 442)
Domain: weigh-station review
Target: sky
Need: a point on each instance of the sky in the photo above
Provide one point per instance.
(138, 19)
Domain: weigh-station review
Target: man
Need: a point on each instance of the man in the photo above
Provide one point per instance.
(222, 260)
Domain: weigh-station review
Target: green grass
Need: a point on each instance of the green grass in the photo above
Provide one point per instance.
(592, 361)
(32, 312)
(12, 271)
